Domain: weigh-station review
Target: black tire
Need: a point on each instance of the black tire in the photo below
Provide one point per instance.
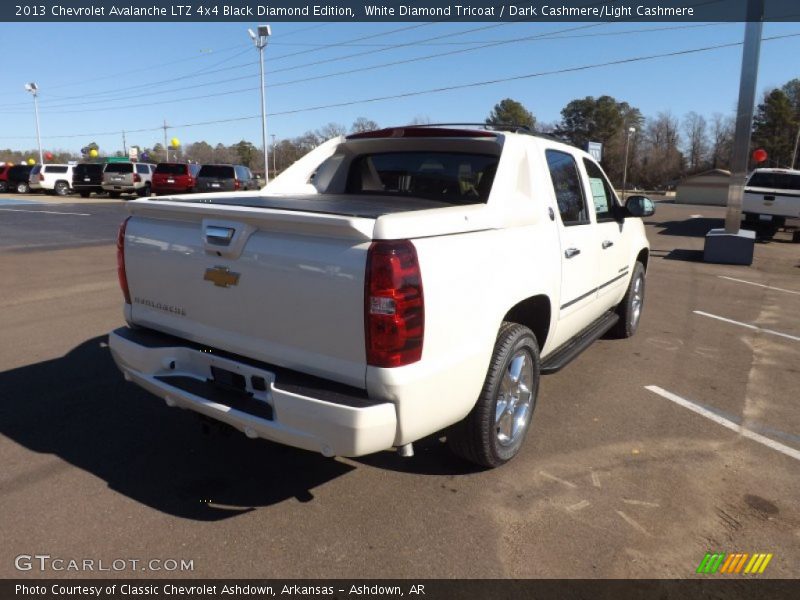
(629, 316)
(478, 437)
(114, 194)
(145, 191)
(61, 188)
(3, 186)
(85, 194)
(23, 187)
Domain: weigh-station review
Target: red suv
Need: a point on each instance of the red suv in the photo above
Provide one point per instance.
(4, 167)
(174, 178)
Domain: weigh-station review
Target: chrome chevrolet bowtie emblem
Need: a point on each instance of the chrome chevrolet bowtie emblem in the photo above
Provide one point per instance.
(221, 276)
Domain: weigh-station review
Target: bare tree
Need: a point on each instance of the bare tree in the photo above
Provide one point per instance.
(662, 162)
(362, 124)
(695, 128)
(721, 141)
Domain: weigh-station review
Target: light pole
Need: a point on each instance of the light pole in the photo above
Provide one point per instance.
(260, 42)
(631, 132)
(34, 89)
(796, 143)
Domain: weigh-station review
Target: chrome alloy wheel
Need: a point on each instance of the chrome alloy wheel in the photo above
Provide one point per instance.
(515, 399)
(637, 300)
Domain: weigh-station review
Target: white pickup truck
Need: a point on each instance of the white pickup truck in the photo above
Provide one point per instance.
(770, 197)
(387, 286)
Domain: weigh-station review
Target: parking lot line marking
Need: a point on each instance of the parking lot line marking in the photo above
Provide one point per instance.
(579, 506)
(769, 287)
(632, 523)
(641, 503)
(558, 479)
(595, 479)
(743, 431)
(749, 326)
(47, 212)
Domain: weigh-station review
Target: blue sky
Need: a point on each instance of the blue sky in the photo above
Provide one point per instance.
(93, 76)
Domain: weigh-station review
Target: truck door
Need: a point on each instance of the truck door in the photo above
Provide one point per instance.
(577, 305)
(612, 245)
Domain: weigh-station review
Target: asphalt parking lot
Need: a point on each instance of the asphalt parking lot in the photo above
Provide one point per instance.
(644, 454)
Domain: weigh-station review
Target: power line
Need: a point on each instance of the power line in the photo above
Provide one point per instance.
(540, 37)
(443, 88)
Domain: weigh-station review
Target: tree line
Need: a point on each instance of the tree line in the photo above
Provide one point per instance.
(662, 150)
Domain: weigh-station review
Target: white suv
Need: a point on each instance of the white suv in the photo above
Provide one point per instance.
(51, 179)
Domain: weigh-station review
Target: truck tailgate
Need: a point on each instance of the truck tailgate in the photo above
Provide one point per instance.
(287, 288)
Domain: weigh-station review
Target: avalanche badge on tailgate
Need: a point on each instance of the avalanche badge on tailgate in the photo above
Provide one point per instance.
(221, 276)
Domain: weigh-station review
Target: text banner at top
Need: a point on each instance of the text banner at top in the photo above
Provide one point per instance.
(188, 11)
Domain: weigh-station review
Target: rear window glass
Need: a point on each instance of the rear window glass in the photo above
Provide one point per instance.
(777, 181)
(448, 177)
(119, 168)
(143, 169)
(87, 169)
(171, 169)
(54, 169)
(19, 171)
(221, 172)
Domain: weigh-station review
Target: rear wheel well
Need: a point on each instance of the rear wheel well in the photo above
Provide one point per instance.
(534, 313)
(642, 257)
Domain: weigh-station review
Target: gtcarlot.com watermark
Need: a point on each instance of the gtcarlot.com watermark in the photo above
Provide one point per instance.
(45, 563)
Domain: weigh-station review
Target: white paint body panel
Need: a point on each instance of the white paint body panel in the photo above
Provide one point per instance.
(299, 302)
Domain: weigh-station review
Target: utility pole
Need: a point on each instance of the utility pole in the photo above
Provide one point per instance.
(124, 146)
(796, 143)
(274, 154)
(166, 148)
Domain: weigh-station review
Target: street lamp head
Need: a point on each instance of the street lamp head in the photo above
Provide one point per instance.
(31, 87)
(632, 130)
(264, 31)
(252, 34)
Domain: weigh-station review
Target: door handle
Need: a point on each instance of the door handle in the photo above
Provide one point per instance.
(570, 252)
(219, 236)
(607, 244)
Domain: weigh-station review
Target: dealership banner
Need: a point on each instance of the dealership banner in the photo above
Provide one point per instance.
(409, 10)
(426, 589)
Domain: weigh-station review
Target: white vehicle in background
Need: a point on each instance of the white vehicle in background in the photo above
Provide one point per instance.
(387, 286)
(55, 179)
(770, 197)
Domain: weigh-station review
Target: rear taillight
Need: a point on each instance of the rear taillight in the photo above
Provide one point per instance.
(394, 307)
(236, 184)
(136, 178)
(41, 177)
(189, 180)
(123, 277)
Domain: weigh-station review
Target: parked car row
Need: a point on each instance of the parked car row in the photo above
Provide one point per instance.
(126, 177)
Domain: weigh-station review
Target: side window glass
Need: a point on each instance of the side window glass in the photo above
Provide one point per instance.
(602, 194)
(143, 169)
(568, 188)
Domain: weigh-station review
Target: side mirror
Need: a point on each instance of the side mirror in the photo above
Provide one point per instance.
(640, 206)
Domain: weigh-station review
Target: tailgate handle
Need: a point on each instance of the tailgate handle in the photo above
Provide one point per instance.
(219, 236)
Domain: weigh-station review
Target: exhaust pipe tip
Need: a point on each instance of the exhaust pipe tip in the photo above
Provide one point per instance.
(406, 450)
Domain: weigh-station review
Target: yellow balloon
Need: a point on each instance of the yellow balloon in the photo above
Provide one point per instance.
(175, 142)
(31, 161)
(93, 153)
